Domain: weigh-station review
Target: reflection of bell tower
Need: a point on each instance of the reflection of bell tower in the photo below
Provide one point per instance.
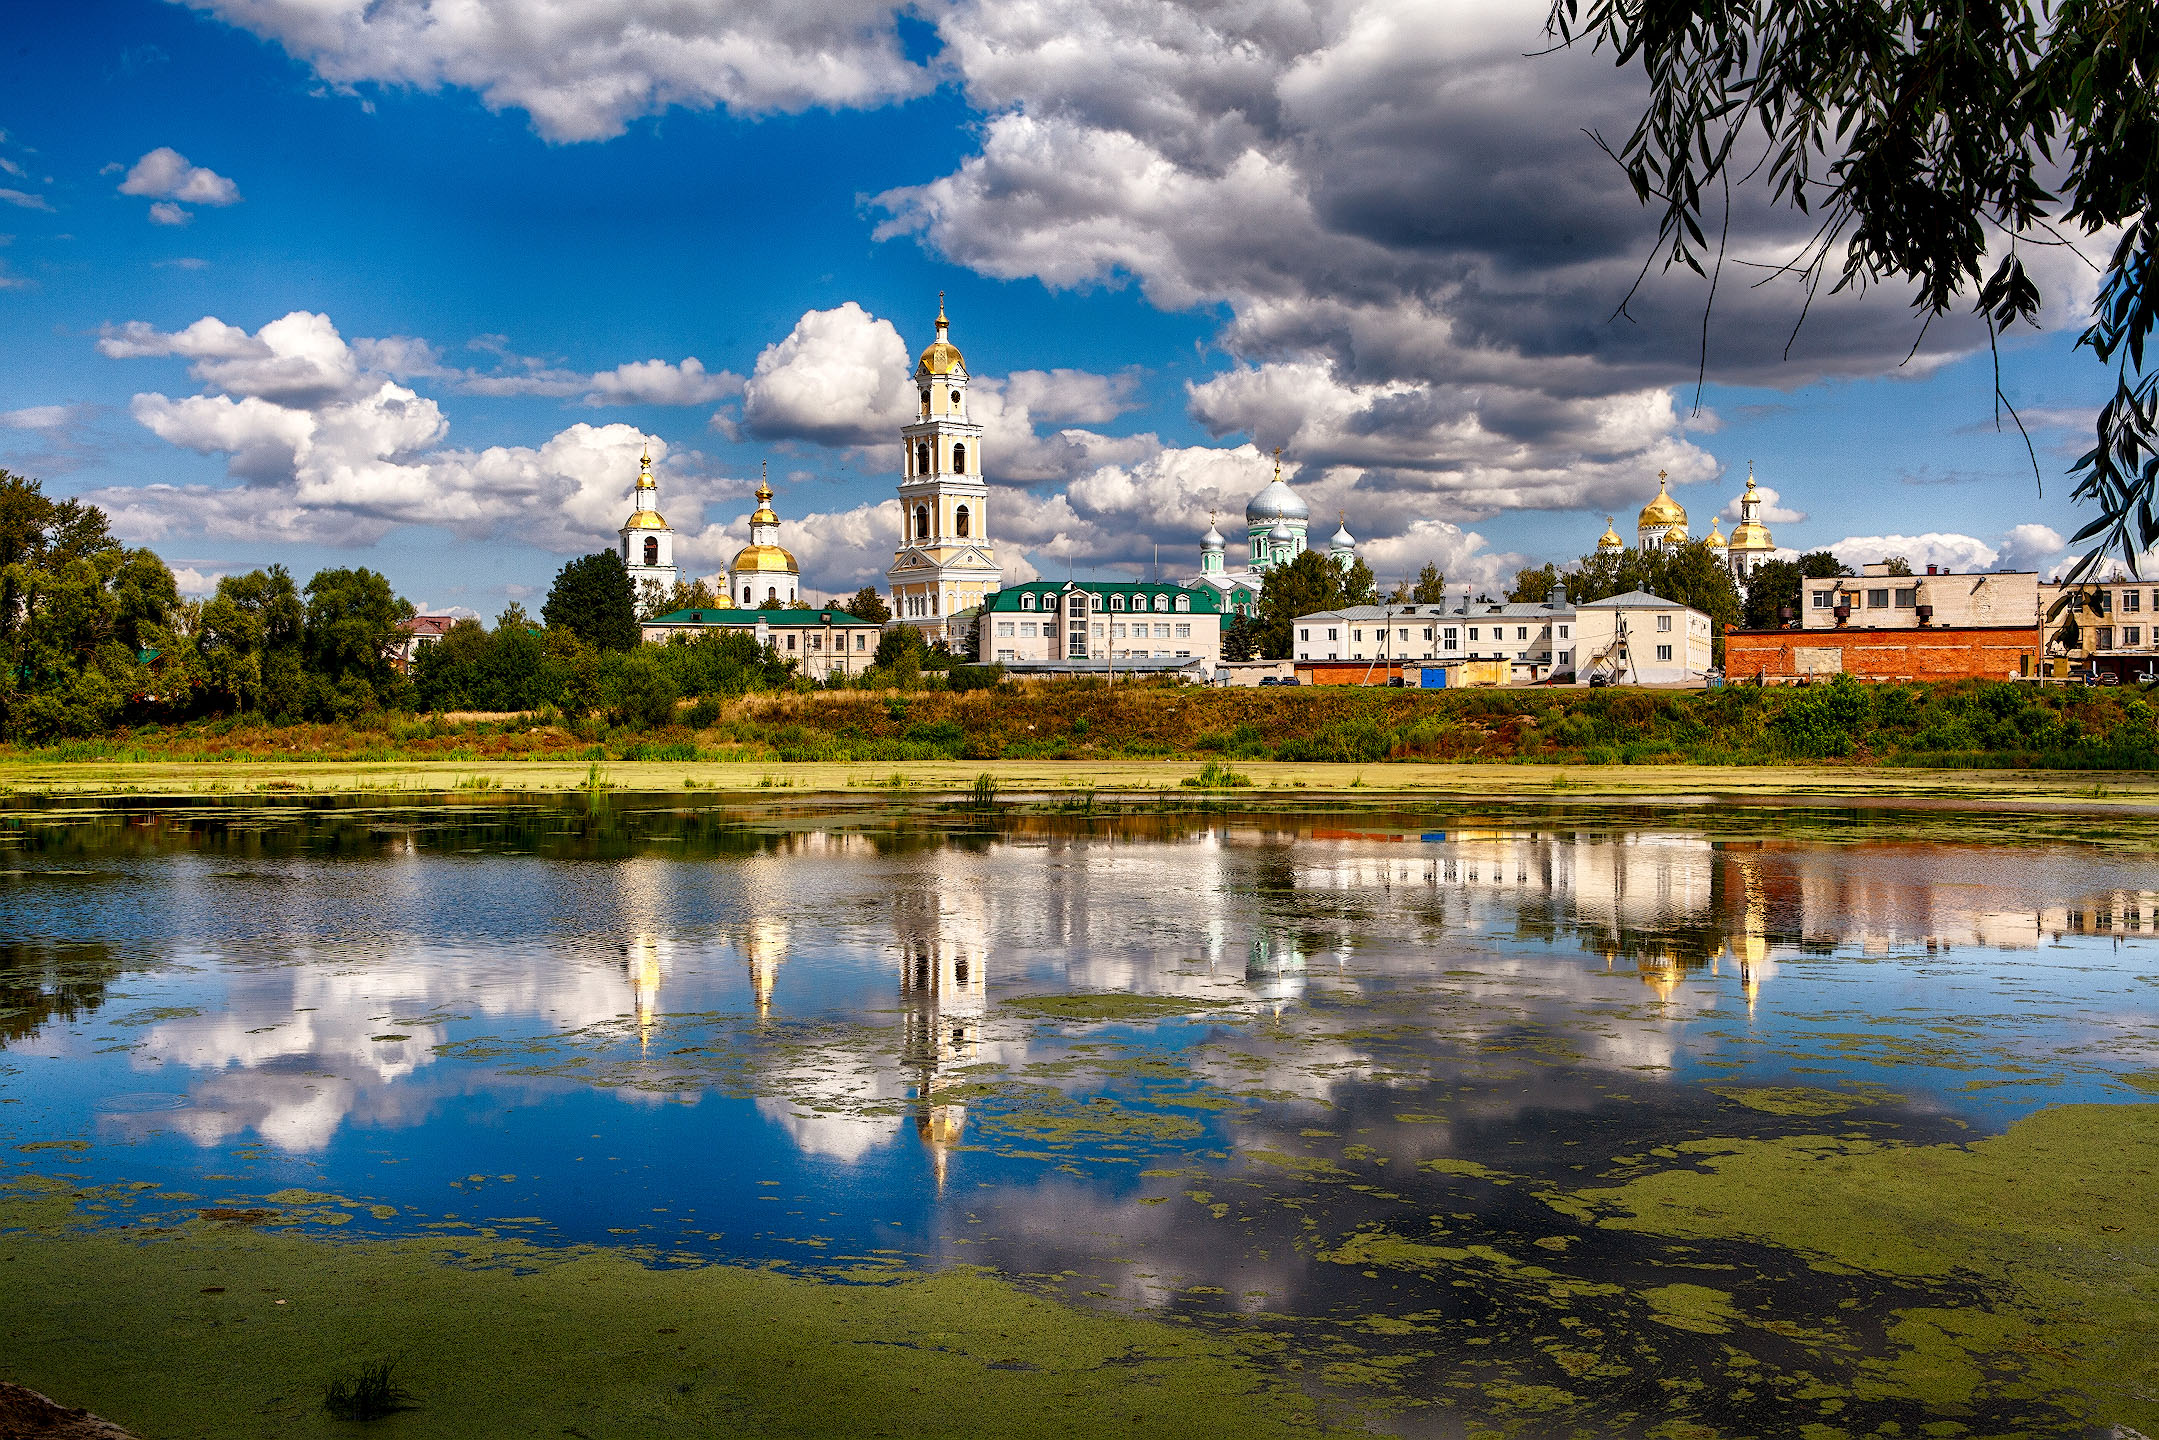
(764, 946)
(642, 966)
(943, 991)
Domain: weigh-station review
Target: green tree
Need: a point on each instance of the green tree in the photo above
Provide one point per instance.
(1306, 585)
(867, 604)
(346, 640)
(1821, 565)
(1693, 574)
(78, 613)
(1431, 586)
(591, 598)
(686, 595)
(644, 692)
(1772, 598)
(1897, 565)
(1241, 640)
(1930, 139)
(250, 642)
(1533, 587)
(445, 674)
(1359, 585)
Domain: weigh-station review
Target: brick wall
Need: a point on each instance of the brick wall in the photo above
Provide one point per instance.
(1936, 653)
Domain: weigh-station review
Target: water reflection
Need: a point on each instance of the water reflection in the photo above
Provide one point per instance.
(1177, 1058)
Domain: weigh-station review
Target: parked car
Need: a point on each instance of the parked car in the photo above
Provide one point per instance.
(1599, 680)
(1289, 680)
(1270, 679)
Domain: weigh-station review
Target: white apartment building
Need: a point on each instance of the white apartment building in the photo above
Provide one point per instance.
(1641, 639)
(1877, 600)
(1537, 641)
(1099, 623)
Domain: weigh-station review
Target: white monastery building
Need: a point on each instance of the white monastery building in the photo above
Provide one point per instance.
(945, 563)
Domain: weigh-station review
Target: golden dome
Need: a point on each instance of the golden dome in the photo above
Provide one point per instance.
(942, 357)
(1715, 538)
(1610, 540)
(763, 514)
(1751, 535)
(764, 560)
(1664, 510)
(1677, 535)
(644, 520)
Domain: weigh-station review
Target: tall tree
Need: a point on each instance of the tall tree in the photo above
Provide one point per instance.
(591, 599)
(867, 604)
(1533, 587)
(1931, 138)
(250, 641)
(1772, 599)
(350, 632)
(1307, 584)
(1431, 586)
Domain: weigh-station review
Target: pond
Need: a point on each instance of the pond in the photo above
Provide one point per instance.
(1686, 1120)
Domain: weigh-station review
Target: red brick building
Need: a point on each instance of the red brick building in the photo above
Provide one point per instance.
(1971, 652)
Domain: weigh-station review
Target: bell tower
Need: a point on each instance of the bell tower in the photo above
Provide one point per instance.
(945, 563)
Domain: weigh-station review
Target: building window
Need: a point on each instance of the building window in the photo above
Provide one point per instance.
(1007, 655)
(2106, 637)
(861, 641)
(1566, 657)
(790, 642)
(1428, 632)
(1184, 632)
(959, 522)
(1877, 599)
(1356, 634)
(1906, 599)
(1472, 632)
(2132, 635)
(1116, 632)
(1161, 632)
(1448, 639)
(1333, 634)
(1027, 602)
(817, 642)
(1402, 634)
(1304, 634)
(1004, 629)
(1027, 629)
(922, 522)
(1184, 604)
(1664, 624)
(1664, 652)
(955, 399)
(959, 459)
(1562, 632)
(1116, 602)
(2132, 601)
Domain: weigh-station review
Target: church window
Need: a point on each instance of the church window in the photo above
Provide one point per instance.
(959, 459)
(959, 522)
(922, 522)
(771, 595)
(652, 549)
(955, 399)
(925, 402)
(922, 458)
(745, 594)
(933, 602)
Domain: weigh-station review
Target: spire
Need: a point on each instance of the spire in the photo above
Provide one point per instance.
(942, 323)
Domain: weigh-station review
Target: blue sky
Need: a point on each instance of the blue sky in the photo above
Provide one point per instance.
(1171, 238)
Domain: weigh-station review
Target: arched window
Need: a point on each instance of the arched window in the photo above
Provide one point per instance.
(1184, 603)
(922, 522)
(922, 451)
(1116, 602)
(959, 522)
(1027, 602)
(959, 459)
(652, 549)
(1161, 602)
(745, 594)
(771, 595)
(925, 402)
(933, 602)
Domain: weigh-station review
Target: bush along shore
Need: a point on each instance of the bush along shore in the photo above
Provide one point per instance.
(1964, 725)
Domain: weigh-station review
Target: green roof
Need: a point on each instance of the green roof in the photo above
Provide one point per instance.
(1202, 601)
(718, 615)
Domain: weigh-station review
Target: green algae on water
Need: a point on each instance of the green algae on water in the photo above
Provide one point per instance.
(1108, 1009)
(494, 1337)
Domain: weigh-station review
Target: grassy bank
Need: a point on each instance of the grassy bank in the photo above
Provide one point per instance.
(1070, 783)
(1965, 726)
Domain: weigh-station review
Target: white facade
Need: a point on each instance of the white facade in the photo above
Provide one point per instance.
(1536, 641)
(944, 563)
(1878, 600)
(1641, 639)
(648, 542)
(1100, 623)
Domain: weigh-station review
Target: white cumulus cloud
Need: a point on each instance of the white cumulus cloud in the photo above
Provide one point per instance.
(840, 377)
(166, 174)
(583, 69)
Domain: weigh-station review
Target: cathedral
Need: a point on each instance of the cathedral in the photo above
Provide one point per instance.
(1277, 523)
(1662, 525)
(944, 564)
(762, 572)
